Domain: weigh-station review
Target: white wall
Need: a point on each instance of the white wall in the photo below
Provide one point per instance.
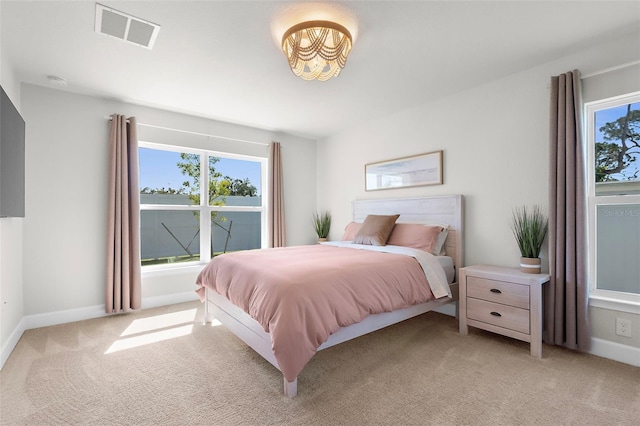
(66, 181)
(11, 291)
(495, 142)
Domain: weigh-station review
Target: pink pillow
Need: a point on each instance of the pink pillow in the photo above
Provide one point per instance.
(350, 231)
(421, 237)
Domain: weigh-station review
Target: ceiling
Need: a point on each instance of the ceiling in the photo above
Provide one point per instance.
(222, 59)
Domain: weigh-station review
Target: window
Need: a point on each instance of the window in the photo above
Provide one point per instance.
(613, 142)
(188, 217)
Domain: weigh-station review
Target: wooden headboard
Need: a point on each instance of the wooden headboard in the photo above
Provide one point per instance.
(438, 210)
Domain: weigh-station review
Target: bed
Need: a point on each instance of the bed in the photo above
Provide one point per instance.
(289, 348)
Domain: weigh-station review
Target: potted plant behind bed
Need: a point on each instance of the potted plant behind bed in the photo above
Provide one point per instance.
(322, 224)
(530, 228)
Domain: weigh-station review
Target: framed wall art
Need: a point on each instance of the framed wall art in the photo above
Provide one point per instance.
(416, 170)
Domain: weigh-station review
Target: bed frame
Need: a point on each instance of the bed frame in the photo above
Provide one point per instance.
(425, 210)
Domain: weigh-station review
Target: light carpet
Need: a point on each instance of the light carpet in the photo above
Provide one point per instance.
(163, 367)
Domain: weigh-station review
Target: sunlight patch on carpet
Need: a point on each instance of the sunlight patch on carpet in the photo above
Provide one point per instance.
(149, 338)
(158, 322)
(145, 331)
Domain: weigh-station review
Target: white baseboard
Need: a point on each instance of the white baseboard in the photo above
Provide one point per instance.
(61, 317)
(615, 351)
(89, 312)
(169, 299)
(71, 315)
(11, 343)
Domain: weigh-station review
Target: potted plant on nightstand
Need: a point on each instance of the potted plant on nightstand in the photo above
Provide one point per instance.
(530, 228)
(322, 224)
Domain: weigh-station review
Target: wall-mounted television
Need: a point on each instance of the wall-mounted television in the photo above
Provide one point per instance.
(12, 133)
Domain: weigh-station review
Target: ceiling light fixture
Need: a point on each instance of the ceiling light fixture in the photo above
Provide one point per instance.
(317, 50)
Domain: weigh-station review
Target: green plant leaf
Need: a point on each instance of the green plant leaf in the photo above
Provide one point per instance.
(322, 224)
(530, 228)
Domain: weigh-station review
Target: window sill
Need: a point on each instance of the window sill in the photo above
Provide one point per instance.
(164, 270)
(614, 304)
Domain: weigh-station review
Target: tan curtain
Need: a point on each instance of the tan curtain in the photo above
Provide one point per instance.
(276, 199)
(566, 295)
(123, 289)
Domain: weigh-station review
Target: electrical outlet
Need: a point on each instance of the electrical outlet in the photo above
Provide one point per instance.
(623, 327)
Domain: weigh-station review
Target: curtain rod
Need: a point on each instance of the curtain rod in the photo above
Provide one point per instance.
(615, 68)
(109, 118)
(196, 133)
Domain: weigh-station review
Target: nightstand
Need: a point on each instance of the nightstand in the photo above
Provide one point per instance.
(504, 301)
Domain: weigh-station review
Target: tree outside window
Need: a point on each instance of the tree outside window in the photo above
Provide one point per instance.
(617, 148)
(171, 212)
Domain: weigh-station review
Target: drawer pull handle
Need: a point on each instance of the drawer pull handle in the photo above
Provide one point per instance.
(495, 290)
(496, 314)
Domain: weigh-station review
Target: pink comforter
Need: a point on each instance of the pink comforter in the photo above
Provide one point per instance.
(301, 295)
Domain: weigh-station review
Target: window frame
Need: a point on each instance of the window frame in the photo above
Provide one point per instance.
(204, 208)
(608, 299)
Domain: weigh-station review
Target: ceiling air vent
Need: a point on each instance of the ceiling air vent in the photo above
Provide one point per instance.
(120, 25)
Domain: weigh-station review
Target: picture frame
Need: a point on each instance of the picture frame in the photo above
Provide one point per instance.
(416, 170)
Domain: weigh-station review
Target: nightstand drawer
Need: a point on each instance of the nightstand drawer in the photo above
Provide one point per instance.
(516, 319)
(498, 291)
